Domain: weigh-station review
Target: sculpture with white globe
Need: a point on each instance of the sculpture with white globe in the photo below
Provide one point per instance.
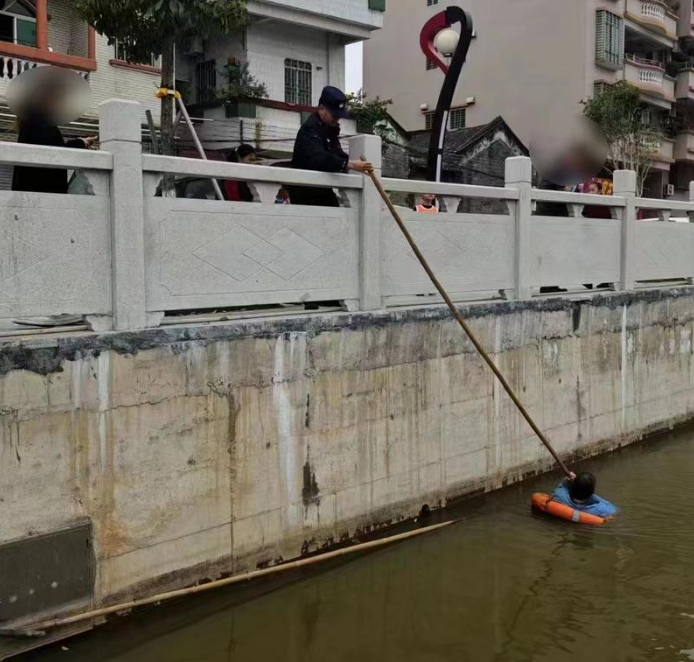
(446, 42)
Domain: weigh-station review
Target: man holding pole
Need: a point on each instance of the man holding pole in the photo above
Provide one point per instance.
(318, 148)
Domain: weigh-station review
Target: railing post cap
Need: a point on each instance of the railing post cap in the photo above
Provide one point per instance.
(624, 182)
(519, 170)
(120, 119)
(364, 146)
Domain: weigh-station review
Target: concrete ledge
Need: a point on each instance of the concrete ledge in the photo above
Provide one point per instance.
(44, 355)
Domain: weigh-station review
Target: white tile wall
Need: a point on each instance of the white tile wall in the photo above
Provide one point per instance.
(269, 44)
(110, 82)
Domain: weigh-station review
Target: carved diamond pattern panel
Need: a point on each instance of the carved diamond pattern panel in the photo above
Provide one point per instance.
(17, 255)
(209, 253)
(664, 250)
(241, 253)
(468, 252)
(54, 255)
(567, 251)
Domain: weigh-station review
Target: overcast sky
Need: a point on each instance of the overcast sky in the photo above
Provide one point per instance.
(354, 69)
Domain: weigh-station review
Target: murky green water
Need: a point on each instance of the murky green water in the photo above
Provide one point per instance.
(503, 585)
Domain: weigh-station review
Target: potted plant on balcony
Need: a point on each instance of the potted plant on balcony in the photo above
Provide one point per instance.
(371, 115)
(240, 90)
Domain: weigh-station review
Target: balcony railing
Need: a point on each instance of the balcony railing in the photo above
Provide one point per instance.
(78, 254)
(653, 10)
(649, 76)
(653, 15)
(684, 87)
(684, 145)
(11, 67)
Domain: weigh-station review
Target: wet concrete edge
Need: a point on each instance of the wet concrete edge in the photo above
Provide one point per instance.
(45, 356)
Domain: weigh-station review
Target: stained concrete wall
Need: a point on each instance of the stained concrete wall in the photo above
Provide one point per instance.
(197, 451)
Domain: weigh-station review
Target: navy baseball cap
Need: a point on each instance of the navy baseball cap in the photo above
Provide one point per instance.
(335, 101)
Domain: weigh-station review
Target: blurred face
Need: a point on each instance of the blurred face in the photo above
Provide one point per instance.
(249, 158)
(428, 199)
(594, 188)
(327, 117)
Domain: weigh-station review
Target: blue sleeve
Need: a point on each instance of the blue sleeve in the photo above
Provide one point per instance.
(601, 508)
(561, 494)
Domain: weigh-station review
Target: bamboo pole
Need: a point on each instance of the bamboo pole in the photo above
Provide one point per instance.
(464, 325)
(40, 628)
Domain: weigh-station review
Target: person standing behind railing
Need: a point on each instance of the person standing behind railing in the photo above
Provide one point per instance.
(427, 204)
(238, 191)
(318, 148)
(42, 102)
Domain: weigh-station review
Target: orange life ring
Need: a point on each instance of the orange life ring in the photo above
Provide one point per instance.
(544, 503)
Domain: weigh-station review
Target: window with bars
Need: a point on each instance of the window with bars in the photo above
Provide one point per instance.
(457, 118)
(205, 81)
(600, 87)
(122, 54)
(298, 82)
(609, 39)
(430, 64)
(428, 120)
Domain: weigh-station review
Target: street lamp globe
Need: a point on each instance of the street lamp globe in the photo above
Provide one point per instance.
(446, 42)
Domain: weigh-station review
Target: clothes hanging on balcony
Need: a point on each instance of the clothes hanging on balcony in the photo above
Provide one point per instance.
(37, 130)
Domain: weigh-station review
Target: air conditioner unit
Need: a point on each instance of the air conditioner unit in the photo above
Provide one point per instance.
(195, 46)
(669, 190)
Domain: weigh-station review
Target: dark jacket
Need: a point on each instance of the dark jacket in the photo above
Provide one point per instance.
(38, 131)
(318, 148)
(551, 208)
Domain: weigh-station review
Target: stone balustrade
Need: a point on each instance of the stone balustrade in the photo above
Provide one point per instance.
(124, 257)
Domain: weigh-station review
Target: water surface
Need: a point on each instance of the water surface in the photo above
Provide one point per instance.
(501, 586)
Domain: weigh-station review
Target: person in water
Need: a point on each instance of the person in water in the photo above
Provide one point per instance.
(579, 492)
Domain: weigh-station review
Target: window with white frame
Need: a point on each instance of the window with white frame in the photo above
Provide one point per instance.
(122, 54)
(298, 82)
(609, 39)
(18, 23)
(457, 118)
(432, 2)
(430, 64)
(428, 120)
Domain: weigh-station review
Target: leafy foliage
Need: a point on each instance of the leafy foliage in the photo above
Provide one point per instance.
(143, 27)
(632, 142)
(368, 113)
(240, 84)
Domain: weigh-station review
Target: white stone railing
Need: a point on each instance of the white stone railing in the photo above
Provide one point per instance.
(653, 10)
(124, 257)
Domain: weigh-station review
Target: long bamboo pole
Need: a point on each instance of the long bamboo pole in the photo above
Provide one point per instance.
(39, 628)
(464, 325)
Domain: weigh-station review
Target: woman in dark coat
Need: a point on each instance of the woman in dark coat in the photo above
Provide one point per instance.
(43, 100)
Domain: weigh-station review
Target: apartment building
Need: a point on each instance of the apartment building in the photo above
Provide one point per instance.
(534, 62)
(294, 47)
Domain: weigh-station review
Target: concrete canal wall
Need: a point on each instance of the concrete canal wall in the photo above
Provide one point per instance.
(169, 456)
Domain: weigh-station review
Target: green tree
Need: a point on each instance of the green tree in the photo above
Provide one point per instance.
(632, 142)
(144, 27)
(368, 113)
